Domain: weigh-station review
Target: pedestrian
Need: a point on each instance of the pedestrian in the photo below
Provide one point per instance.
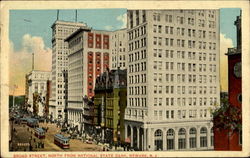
(30, 147)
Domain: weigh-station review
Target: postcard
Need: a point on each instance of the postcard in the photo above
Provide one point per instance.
(124, 79)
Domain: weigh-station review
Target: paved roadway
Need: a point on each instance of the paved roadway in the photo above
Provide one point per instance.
(23, 134)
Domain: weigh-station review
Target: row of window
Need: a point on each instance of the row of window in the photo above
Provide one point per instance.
(137, 56)
(181, 32)
(181, 114)
(138, 79)
(182, 55)
(137, 90)
(120, 64)
(137, 67)
(137, 44)
(137, 18)
(137, 102)
(121, 57)
(140, 31)
(41, 76)
(191, 101)
(98, 41)
(185, 90)
(181, 43)
(182, 138)
(181, 66)
(181, 20)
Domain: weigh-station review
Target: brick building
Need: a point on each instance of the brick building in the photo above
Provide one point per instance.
(110, 102)
(88, 57)
(225, 138)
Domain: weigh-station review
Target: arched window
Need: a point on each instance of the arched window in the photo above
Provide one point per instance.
(170, 139)
(212, 137)
(158, 140)
(182, 139)
(203, 137)
(192, 138)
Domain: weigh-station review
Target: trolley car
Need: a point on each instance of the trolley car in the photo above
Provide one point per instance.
(32, 122)
(40, 133)
(61, 141)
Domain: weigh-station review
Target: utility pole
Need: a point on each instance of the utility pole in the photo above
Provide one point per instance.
(14, 88)
(32, 61)
(102, 120)
(57, 15)
(76, 16)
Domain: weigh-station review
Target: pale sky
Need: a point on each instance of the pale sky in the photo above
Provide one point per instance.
(30, 31)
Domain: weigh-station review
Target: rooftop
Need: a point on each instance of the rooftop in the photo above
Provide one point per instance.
(233, 51)
(112, 79)
(84, 28)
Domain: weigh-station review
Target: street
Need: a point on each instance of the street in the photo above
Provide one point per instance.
(23, 135)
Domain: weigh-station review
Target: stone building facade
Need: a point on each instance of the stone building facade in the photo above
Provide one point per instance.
(173, 78)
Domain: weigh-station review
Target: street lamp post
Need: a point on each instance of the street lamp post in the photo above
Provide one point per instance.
(65, 76)
(102, 118)
(14, 88)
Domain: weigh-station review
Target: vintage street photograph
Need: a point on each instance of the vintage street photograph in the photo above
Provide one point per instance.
(119, 79)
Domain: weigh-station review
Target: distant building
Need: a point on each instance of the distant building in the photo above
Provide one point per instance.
(173, 78)
(110, 102)
(58, 102)
(118, 46)
(228, 139)
(36, 88)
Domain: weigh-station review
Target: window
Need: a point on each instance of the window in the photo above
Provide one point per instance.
(166, 29)
(167, 114)
(159, 41)
(155, 101)
(155, 40)
(170, 139)
(160, 101)
(154, 28)
(192, 138)
(158, 140)
(160, 89)
(203, 137)
(160, 114)
(155, 89)
(155, 114)
(159, 29)
(167, 101)
(172, 113)
(182, 139)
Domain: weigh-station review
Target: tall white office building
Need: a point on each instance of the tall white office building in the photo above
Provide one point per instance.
(60, 30)
(118, 44)
(173, 78)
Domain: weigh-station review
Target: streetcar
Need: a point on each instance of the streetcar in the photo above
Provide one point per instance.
(61, 141)
(32, 122)
(40, 133)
